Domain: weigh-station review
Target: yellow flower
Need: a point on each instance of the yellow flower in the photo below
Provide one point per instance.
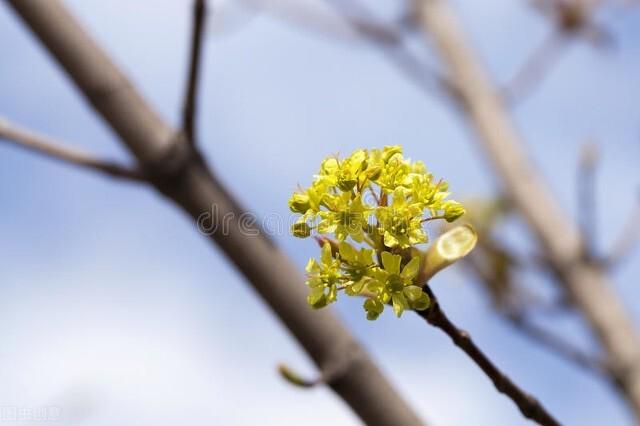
(392, 284)
(323, 278)
(401, 223)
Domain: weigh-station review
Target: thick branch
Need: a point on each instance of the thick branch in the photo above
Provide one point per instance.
(51, 148)
(191, 95)
(198, 193)
(585, 283)
(528, 405)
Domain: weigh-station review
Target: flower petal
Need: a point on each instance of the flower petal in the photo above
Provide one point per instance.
(391, 262)
(348, 253)
(410, 270)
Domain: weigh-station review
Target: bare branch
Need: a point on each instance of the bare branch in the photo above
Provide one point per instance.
(190, 99)
(51, 148)
(506, 295)
(556, 344)
(536, 67)
(392, 45)
(587, 205)
(310, 17)
(572, 20)
(529, 406)
(494, 267)
(628, 239)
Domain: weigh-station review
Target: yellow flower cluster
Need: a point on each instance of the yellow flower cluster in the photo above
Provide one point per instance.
(374, 202)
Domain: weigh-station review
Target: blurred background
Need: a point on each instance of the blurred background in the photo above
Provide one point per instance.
(115, 310)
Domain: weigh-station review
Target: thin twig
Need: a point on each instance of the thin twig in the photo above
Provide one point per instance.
(628, 239)
(572, 21)
(536, 67)
(393, 47)
(190, 98)
(529, 406)
(514, 314)
(575, 18)
(557, 344)
(431, 218)
(51, 148)
(587, 217)
(304, 15)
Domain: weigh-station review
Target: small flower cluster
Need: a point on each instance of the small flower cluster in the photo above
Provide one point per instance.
(374, 205)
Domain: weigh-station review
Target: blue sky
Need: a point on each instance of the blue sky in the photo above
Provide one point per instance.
(113, 308)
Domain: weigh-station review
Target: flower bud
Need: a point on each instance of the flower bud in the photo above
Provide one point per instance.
(374, 172)
(301, 230)
(453, 211)
(390, 151)
(299, 203)
(347, 183)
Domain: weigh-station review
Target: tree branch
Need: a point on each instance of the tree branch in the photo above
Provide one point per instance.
(529, 406)
(628, 238)
(536, 67)
(191, 185)
(512, 311)
(572, 20)
(556, 344)
(190, 99)
(51, 148)
(584, 282)
(391, 44)
(303, 15)
(587, 205)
